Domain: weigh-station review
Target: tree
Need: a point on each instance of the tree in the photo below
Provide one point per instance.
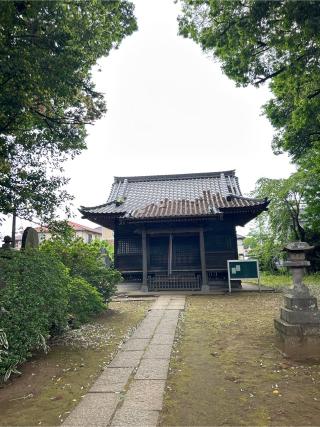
(286, 210)
(276, 42)
(289, 217)
(32, 189)
(309, 170)
(259, 41)
(47, 97)
(263, 245)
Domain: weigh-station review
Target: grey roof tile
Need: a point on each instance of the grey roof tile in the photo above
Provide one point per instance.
(173, 195)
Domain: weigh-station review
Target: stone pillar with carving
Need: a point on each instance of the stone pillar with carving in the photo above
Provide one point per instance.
(299, 323)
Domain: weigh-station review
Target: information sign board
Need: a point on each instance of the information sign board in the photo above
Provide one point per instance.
(243, 269)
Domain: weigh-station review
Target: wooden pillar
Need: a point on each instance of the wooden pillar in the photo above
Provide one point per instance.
(205, 286)
(170, 255)
(144, 262)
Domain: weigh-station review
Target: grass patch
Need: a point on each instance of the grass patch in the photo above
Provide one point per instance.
(51, 385)
(284, 281)
(226, 369)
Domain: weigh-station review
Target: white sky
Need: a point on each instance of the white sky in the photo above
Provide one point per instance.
(170, 110)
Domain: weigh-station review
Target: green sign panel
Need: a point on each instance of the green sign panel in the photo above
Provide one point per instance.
(246, 269)
(243, 269)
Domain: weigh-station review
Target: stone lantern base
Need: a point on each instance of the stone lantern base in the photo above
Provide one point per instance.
(299, 327)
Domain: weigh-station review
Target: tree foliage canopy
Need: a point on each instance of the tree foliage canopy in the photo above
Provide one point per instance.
(47, 96)
(277, 42)
(286, 211)
(289, 218)
(258, 41)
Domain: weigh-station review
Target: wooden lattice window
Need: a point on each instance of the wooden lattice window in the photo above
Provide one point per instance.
(129, 246)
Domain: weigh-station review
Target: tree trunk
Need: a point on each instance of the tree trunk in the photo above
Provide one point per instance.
(13, 234)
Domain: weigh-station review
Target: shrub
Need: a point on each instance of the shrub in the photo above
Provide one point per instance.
(85, 260)
(84, 300)
(37, 298)
(34, 304)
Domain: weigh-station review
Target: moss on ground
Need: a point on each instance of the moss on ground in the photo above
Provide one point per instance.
(226, 369)
(51, 385)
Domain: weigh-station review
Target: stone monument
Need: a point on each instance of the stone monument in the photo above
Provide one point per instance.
(299, 323)
(30, 239)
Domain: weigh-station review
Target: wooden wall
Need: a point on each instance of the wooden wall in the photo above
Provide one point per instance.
(219, 239)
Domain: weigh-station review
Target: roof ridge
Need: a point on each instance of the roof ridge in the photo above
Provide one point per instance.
(197, 175)
(97, 206)
(237, 196)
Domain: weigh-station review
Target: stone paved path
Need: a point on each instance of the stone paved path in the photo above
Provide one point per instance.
(130, 390)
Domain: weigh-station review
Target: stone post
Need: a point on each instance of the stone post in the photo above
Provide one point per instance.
(299, 323)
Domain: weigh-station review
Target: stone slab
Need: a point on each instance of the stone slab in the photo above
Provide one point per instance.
(302, 330)
(136, 344)
(172, 314)
(160, 339)
(168, 323)
(95, 409)
(298, 348)
(156, 313)
(131, 416)
(300, 317)
(144, 333)
(166, 330)
(161, 302)
(149, 323)
(126, 359)
(294, 303)
(158, 352)
(152, 369)
(145, 395)
(286, 329)
(111, 380)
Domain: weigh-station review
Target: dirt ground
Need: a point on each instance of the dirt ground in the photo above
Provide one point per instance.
(51, 385)
(226, 369)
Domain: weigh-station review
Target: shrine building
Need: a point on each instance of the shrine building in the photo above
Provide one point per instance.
(175, 232)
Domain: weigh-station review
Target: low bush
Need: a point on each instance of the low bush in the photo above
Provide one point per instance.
(85, 260)
(34, 303)
(37, 299)
(84, 301)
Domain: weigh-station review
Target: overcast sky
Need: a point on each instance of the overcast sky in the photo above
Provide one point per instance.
(171, 110)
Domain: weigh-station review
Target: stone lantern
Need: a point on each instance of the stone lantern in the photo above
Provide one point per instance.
(299, 323)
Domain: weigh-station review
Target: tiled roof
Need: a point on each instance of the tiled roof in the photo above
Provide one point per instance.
(79, 227)
(74, 225)
(183, 195)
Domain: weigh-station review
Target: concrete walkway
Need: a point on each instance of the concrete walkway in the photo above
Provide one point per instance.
(130, 390)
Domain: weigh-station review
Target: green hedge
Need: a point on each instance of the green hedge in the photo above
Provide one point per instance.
(34, 302)
(37, 298)
(84, 300)
(86, 261)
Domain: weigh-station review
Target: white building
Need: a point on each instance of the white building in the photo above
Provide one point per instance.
(87, 234)
(241, 250)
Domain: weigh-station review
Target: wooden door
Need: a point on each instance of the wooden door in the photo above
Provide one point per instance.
(158, 250)
(186, 252)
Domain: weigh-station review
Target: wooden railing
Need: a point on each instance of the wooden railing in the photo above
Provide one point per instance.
(175, 282)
